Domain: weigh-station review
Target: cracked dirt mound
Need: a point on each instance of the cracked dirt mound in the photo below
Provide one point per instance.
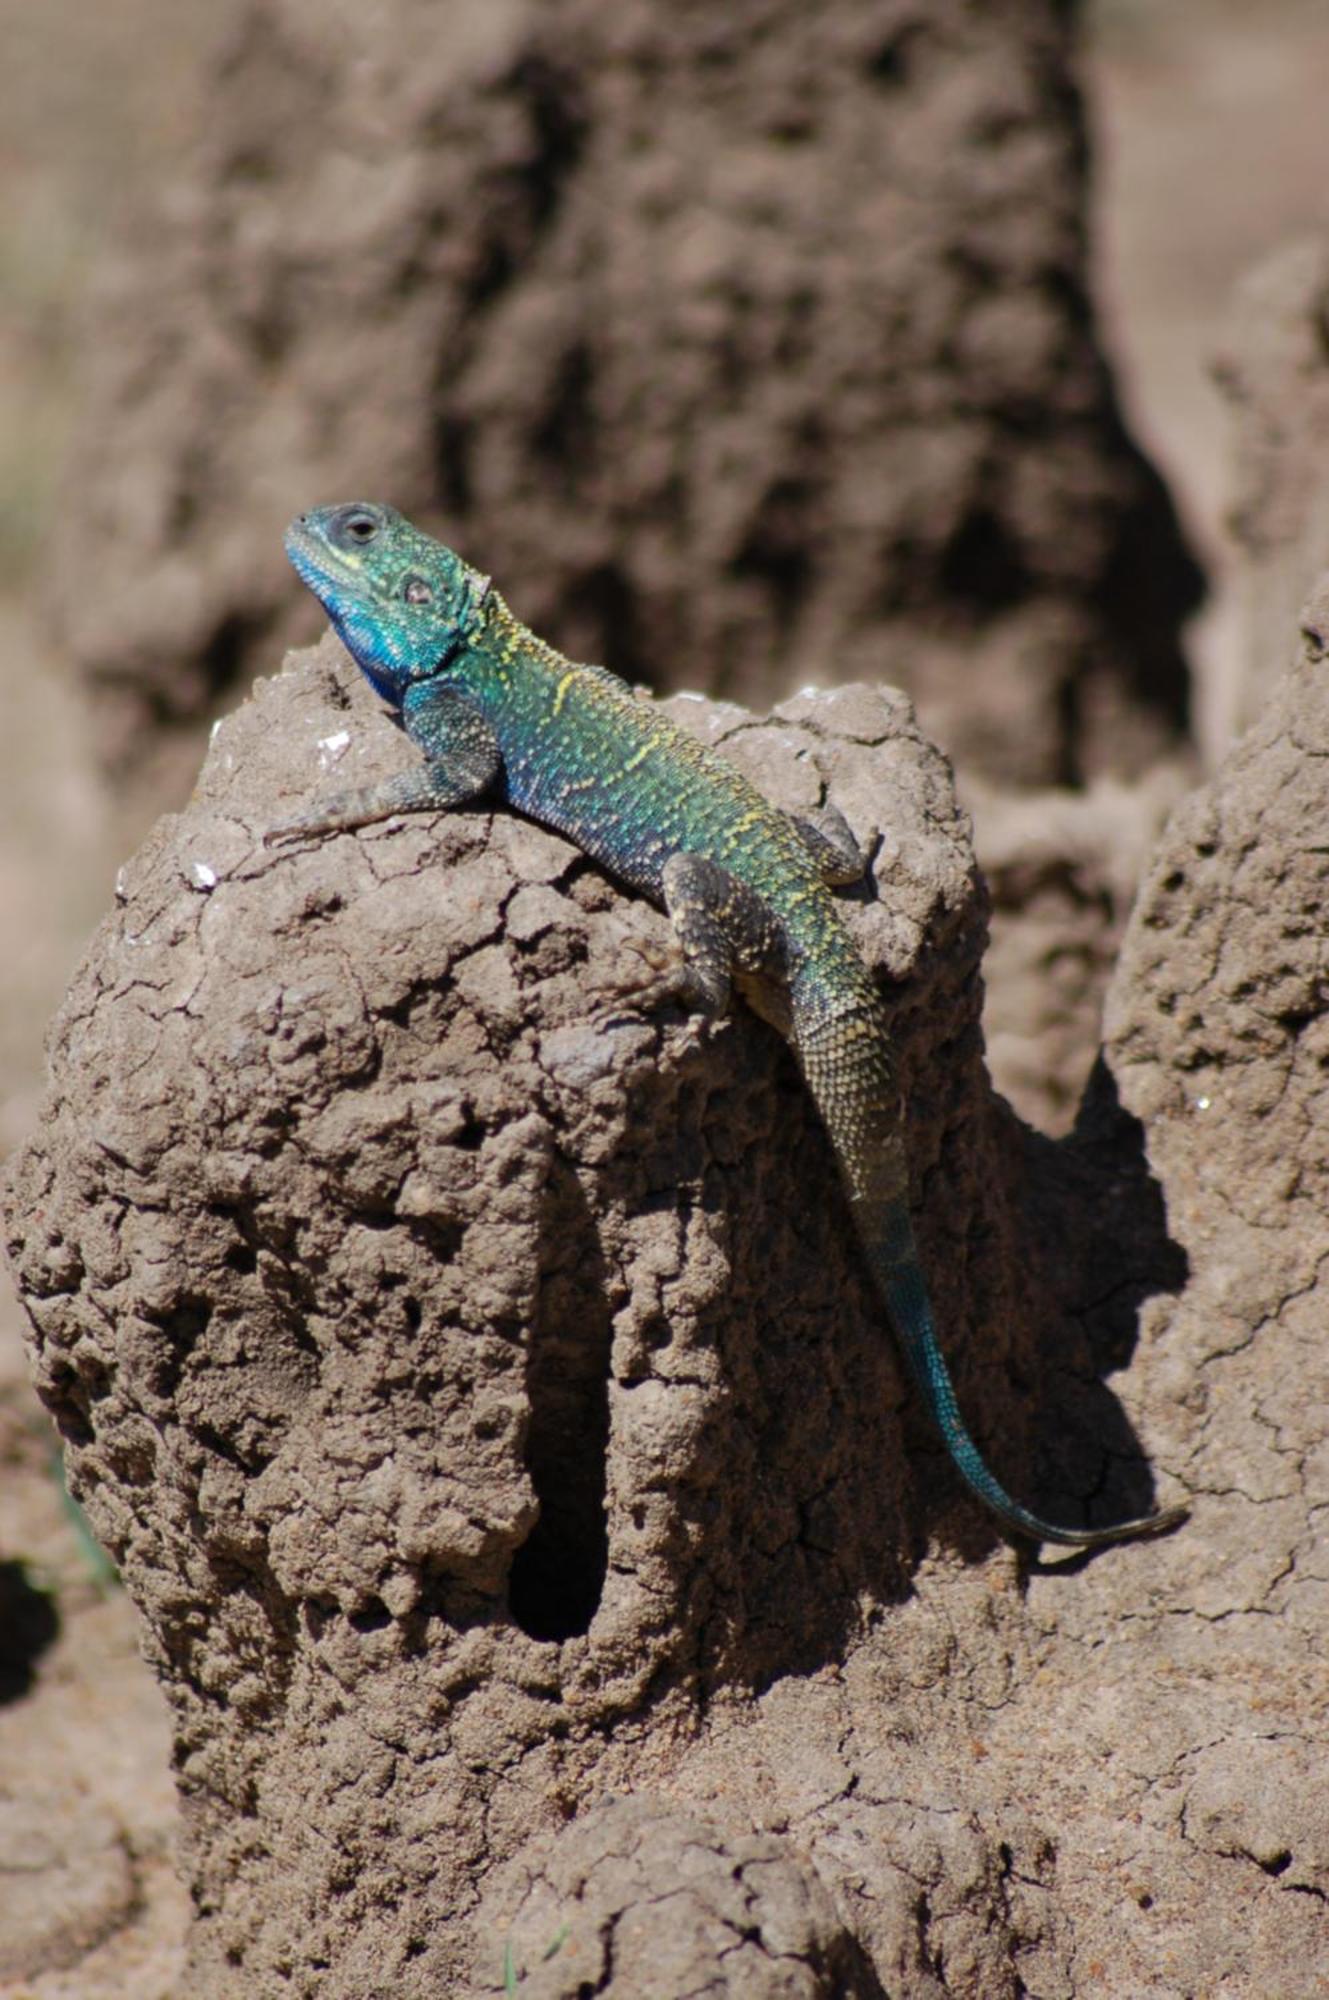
(399, 1260)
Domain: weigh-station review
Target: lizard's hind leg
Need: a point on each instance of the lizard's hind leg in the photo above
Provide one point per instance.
(722, 930)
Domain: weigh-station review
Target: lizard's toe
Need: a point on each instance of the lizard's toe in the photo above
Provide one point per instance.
(660, 975)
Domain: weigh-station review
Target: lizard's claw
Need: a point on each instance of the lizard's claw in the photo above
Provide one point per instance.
(336, 814)
(304, 826)
(285, 829)
(661, 975)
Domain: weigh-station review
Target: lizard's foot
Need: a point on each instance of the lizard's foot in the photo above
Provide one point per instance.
(335, 814)
(288, 829)
(661, 974)
(422, 788)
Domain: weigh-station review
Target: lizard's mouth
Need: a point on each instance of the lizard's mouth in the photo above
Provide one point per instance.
(317, 564)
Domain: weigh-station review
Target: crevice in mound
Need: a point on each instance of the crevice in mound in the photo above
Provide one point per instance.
(558, 1573)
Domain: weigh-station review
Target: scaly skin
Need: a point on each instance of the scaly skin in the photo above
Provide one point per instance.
(494, 709)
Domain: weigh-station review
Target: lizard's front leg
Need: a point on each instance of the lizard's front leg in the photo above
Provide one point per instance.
(461, 760)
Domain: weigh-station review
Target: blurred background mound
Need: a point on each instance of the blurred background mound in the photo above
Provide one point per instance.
(748, 346)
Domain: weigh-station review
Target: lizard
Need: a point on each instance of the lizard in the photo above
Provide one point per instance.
(497, 711)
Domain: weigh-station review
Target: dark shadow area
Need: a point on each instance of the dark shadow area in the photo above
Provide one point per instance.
(558, 1574)
(982, 568)
(601, 606)
(1100, 1248)
(29, 1624)
(1127, 1253)
(1152, 583)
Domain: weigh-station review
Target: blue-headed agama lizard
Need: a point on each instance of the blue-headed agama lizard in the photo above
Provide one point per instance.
(496, 710)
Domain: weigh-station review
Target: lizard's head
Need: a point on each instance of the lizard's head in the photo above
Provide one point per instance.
(402, 603)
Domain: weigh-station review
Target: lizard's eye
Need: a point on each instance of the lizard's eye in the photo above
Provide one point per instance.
(359, 527)
(416, 591)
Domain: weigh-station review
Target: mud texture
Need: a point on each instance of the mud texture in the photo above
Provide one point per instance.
(749, 347)
(665, 1904)
(544, 1562)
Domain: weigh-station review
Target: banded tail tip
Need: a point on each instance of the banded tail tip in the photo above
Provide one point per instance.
(1148, 1525)
(1143, 1527)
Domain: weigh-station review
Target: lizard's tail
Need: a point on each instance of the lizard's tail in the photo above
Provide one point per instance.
(847, 1066)
(894, 1261)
